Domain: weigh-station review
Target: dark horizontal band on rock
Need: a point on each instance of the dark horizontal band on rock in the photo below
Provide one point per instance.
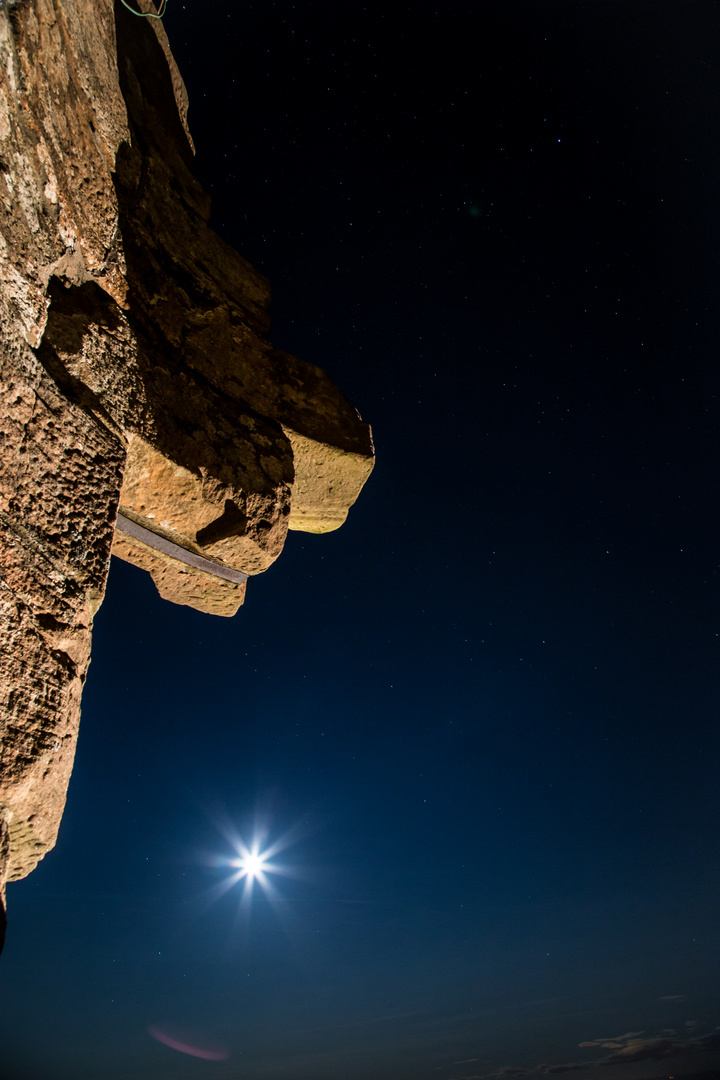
(167, 547)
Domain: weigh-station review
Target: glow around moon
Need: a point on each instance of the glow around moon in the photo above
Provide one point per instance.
(251, 864)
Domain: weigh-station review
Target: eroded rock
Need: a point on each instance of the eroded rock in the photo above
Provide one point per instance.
(135, 373)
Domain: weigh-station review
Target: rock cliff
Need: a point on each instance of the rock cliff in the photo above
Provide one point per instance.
(144, 410)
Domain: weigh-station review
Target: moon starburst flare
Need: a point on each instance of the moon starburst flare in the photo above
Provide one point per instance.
(250, 864)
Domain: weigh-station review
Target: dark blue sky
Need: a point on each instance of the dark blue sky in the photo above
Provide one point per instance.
(484, 713)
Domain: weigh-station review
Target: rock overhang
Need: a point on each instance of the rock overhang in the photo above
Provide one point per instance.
(138, 380)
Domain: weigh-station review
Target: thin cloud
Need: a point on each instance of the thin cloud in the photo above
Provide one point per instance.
(539, 1071)
(644, 1050)
(612, 1042)
(571, 1066)
(631, 1047)
(661, 1047)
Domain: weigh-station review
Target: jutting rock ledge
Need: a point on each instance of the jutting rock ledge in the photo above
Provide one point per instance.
(144, 410)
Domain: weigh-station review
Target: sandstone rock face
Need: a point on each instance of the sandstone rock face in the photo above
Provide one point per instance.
(136, 378)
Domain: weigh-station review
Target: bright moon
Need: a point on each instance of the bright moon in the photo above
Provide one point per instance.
(252, 864)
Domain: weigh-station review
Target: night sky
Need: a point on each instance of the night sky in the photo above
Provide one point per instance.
(477, 726)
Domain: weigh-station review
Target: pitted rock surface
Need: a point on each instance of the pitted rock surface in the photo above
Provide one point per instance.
(135, 371)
